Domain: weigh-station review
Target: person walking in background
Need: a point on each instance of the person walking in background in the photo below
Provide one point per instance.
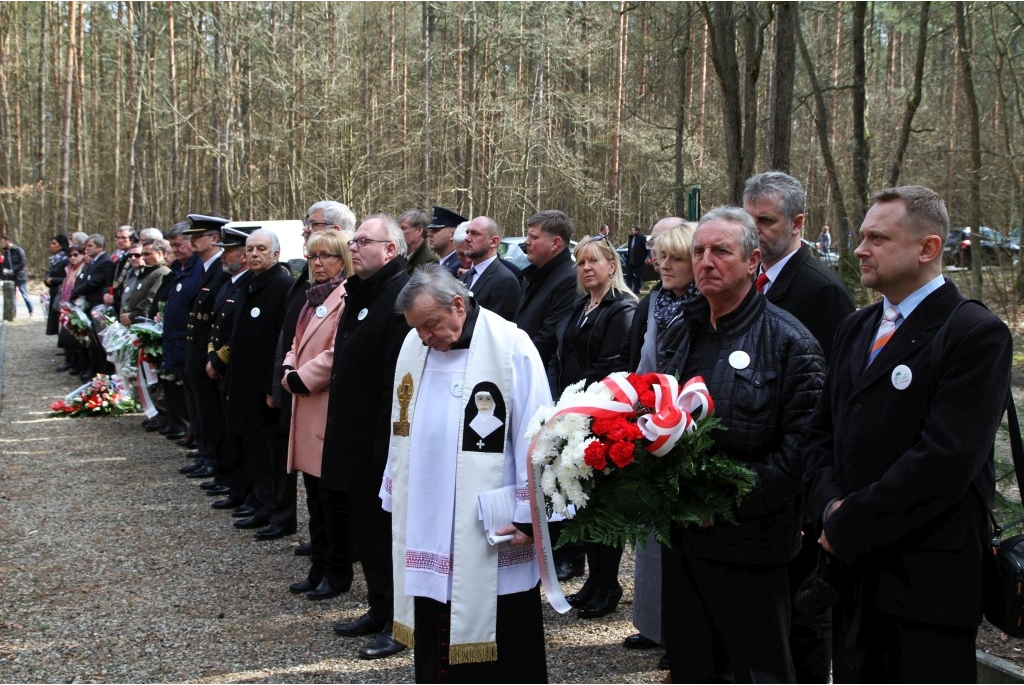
(13, 268)
(636, 257)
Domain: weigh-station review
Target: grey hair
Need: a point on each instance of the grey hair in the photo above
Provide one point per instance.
(158, 244)
(734, 215)
(434, 280)
(177, 229)
(393, 231)
(97, 239)
(776, 184)
(151, 234)
(275, 244)
(335, 213)
(459, 236)
(124, 229)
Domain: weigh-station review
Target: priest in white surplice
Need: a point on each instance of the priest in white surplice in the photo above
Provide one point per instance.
(471, 610)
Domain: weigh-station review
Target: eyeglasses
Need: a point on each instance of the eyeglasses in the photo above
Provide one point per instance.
(75, 254)
(363, 242)
(134, 255)
(313, 224)
(322, 257)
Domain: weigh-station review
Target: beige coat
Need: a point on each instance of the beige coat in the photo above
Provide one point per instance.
(312, 357)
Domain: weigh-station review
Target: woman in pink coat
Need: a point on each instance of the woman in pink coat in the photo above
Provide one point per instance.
(307, 376)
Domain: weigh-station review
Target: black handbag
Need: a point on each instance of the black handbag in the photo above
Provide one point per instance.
(1003, 573)
(1003, 591)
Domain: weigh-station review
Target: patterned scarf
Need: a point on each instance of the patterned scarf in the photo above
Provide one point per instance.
(319, 292)
(668, 306)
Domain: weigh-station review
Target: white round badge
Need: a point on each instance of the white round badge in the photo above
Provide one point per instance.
(255, 312)
(321, 312)
(178, 288)
(138, 287)
(901, 377)
(362, 313)
(457, 389)
(739, 359)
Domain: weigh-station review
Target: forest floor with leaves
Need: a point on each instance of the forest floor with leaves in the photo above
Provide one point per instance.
(114, 568)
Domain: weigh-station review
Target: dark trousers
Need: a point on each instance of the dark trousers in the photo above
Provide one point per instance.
(356, 519)
(899, 650)
(208, 420)
(634, 279)
(177, 407)
(273, 488)
(810, 635)
(724, 621)
(519, 635)
(231, 469)
(327, 561)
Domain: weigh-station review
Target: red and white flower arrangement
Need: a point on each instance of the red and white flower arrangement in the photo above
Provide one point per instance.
(102, 396)
(633, 455)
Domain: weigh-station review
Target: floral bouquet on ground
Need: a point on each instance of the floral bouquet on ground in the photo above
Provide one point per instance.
(102, 396)
(633, 455)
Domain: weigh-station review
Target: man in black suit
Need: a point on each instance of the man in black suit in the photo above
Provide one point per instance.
(250, 411)
(206, 418)
(440, 237)
(900, 454)
(793, 279)
(370, 336)
(491, 284)
(636, 257)
(549, 291)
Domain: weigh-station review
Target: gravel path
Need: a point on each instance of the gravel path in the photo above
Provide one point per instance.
(114, 568)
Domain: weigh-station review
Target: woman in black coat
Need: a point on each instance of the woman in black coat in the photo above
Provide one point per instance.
(595, 343)
(54, 278)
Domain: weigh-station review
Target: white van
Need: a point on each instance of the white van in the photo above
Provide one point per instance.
(289, 234)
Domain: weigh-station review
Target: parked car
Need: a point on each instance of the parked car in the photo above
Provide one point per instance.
(648, 272)
(829, 259)
(995, 247)
(511, 250)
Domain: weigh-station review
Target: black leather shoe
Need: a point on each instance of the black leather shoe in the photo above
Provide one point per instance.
(242, 511)
(272, 532)
(304, 586)
(603, 603)
(304, 550)
(566, 570)
(367, 624)
(585, 595)
(226, 503)
(638, 641)
(326, 589)
(191, 468)
(195, 455)
(63, 367)
(212, 485)
(381, 646)
(663, 664)
(252, 522)
(155, 426)
(175, 435)
(187, 444)
(217, 490)
(203, 472)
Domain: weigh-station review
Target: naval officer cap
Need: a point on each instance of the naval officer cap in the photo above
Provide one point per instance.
(234, 233)
(200, 223)
(445, 218)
